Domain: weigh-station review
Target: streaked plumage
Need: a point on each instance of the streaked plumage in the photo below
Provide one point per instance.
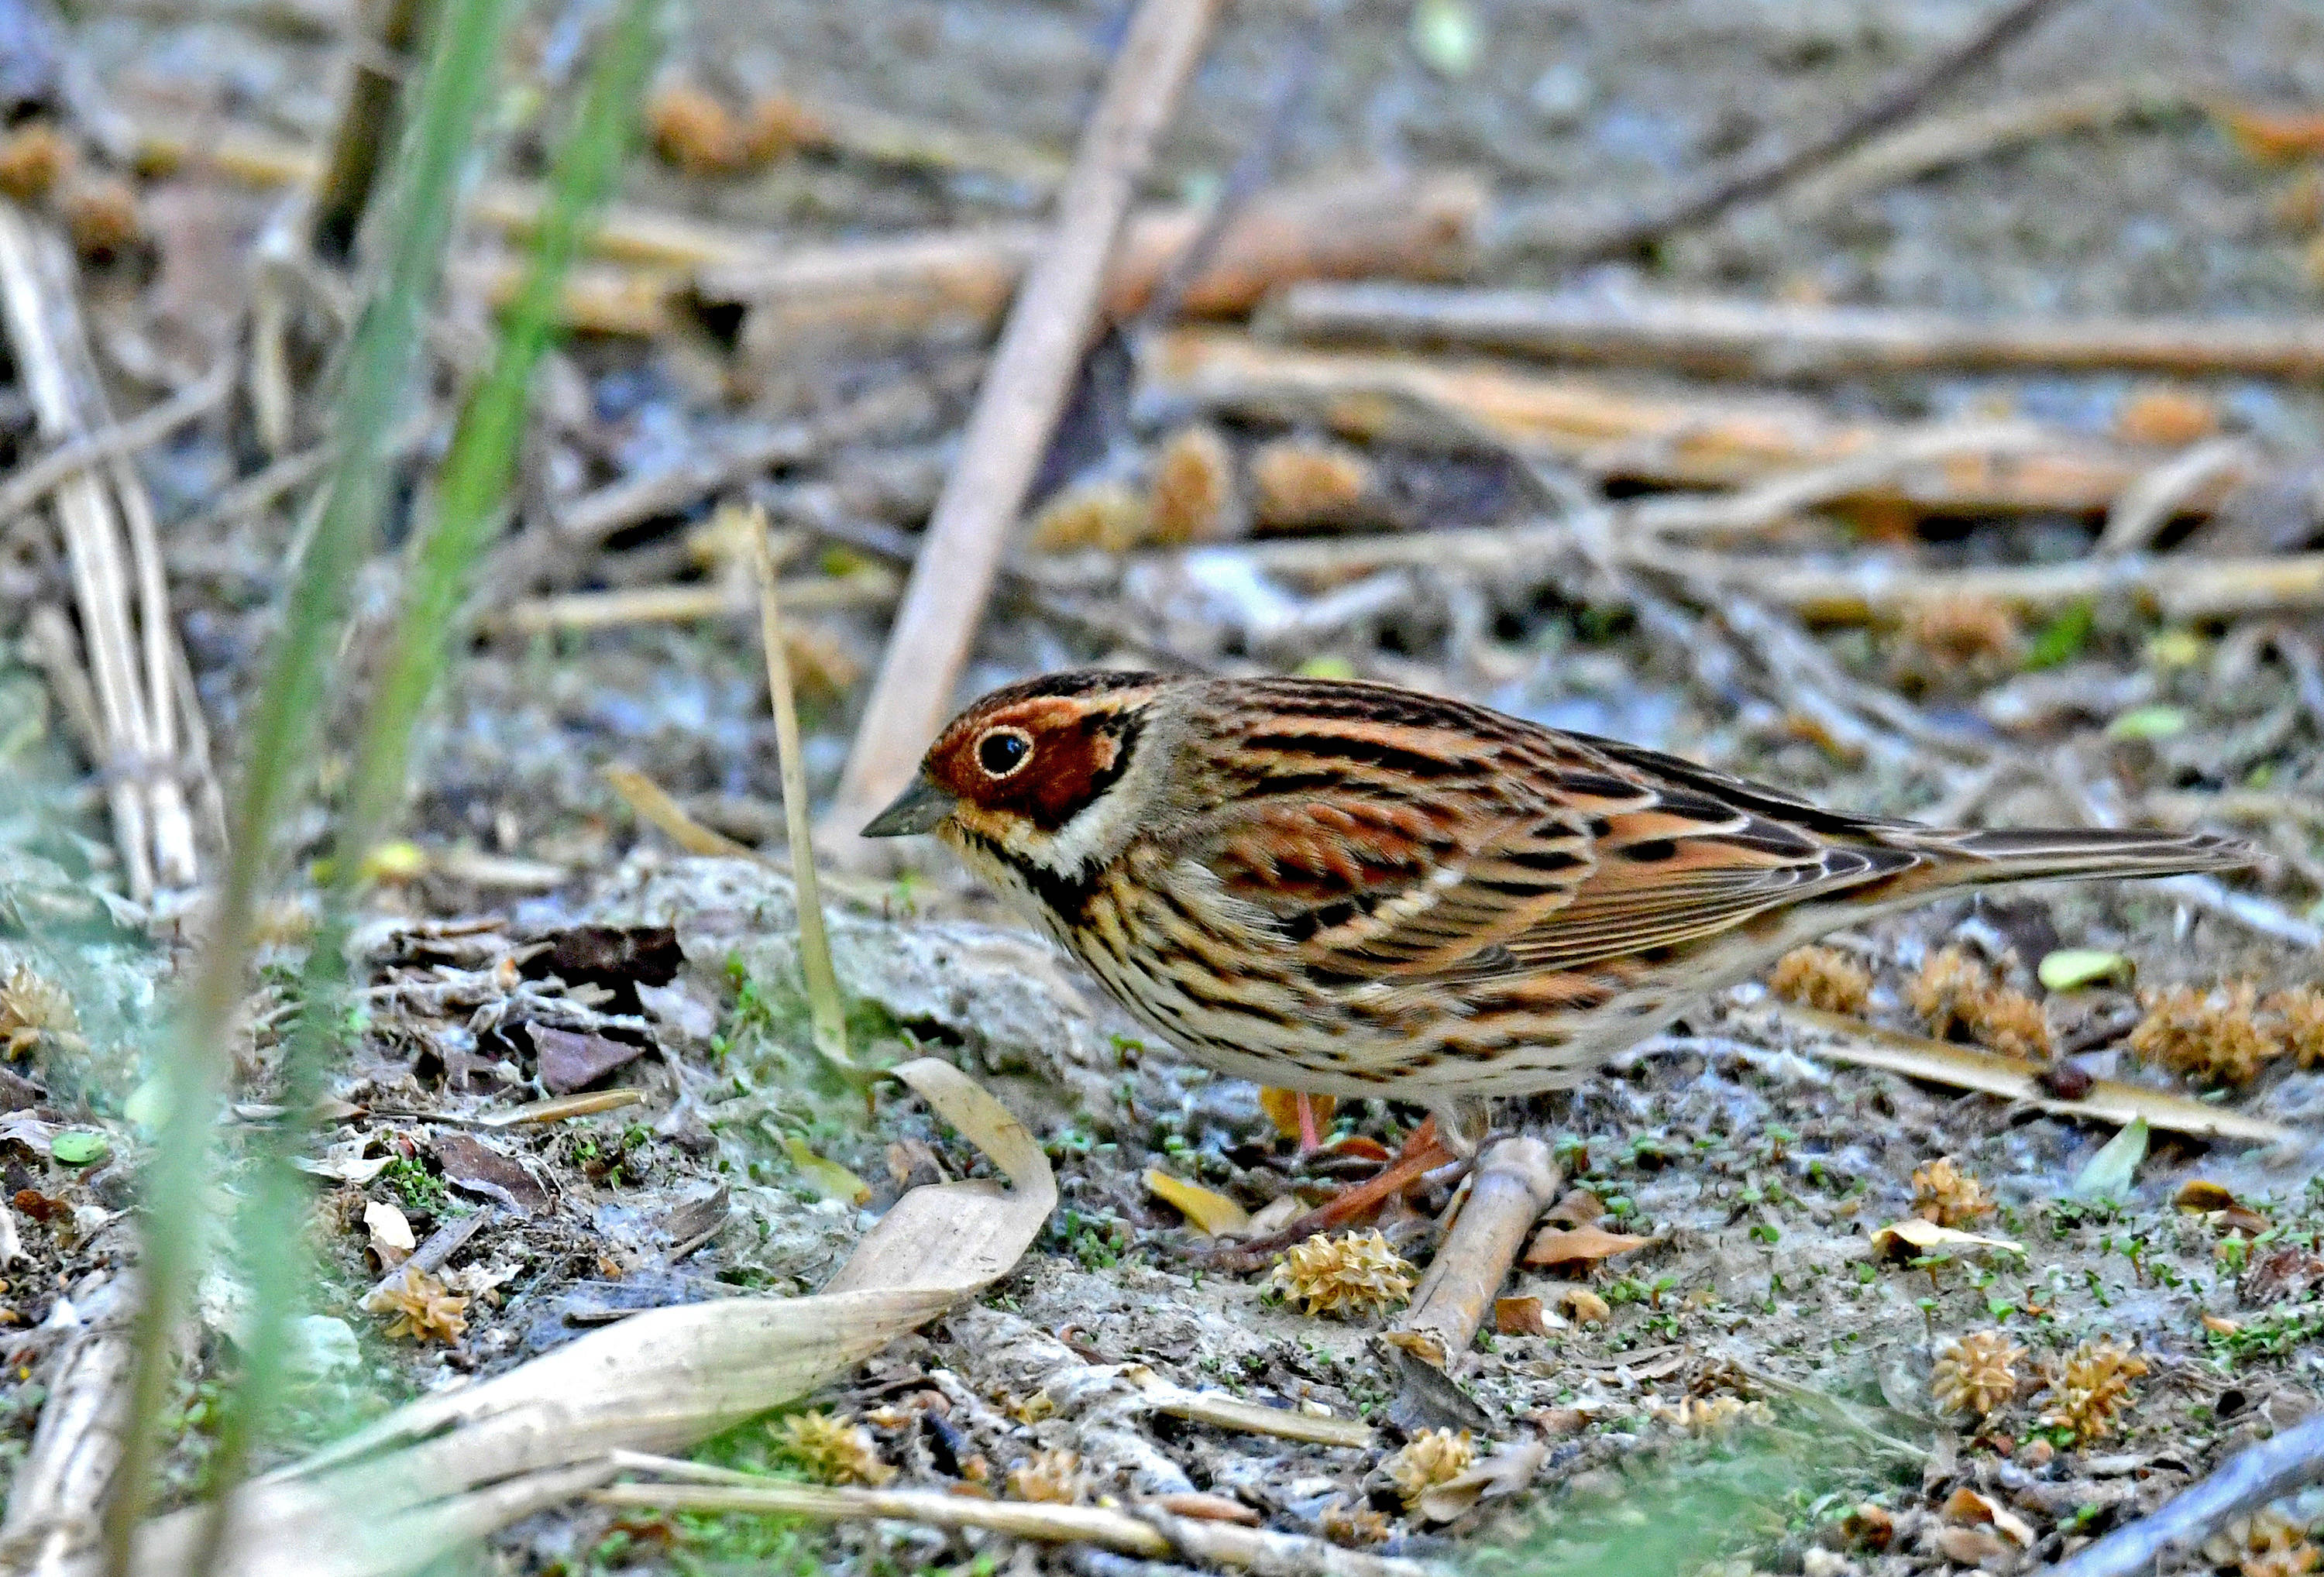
(1351, 889)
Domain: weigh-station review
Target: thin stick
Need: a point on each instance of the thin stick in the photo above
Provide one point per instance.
(2179, 1528)
(2150, 504)
(827, 1007)
(1732, 336)
(652, 805)
(1948, 142)
(1759, 174)
(1040, 351)
(28, 486)
(1147, 1532)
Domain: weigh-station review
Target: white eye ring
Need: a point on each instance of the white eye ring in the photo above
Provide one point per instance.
(1013, 762)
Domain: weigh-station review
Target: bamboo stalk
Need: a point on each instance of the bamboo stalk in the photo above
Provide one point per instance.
(1783, 339)
(1040, 354)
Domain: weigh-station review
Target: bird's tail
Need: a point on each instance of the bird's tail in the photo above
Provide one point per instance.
(1974, 858)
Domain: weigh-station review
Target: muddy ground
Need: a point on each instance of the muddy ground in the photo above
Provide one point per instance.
(1758, 1371)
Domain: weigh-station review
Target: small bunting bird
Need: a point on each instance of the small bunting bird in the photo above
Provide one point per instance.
(1355, 889)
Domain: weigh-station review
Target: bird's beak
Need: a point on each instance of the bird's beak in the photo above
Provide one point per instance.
(918, 809)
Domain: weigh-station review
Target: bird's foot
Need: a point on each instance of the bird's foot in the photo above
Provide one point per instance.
(1423, 1153)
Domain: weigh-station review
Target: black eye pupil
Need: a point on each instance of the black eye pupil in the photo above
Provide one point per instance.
(1000, 753)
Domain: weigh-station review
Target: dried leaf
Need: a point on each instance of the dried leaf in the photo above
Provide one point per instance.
(1922, 1236)
(1586, 1245)
(569, 1060)
(410, 1481)
(1586, 1306)
(2271, 136)
(1211, 1212)
(1520, 1316)
(475, 1166)
(1507, 1472)
(390, 1233)
(2113, 1169)
(1966, 1505)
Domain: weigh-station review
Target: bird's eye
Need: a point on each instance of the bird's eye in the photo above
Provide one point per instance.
(1002, 752)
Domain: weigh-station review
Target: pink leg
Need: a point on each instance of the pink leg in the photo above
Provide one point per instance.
(1304, 1104)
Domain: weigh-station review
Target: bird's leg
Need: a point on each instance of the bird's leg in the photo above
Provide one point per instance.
(1305, 1105)
(1463, 1123)
(1423, 1153)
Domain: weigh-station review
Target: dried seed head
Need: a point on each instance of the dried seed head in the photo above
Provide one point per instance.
(1352, 1522)
(1110, 515)
(423, 1308)
(1955, 990)
(837, 1450)
(693, 129)
(1430, 1458)
(1710, 1415)
(1976, 1373)
(2302, 1008)
(1353, 1276)
(2213, 1036)
(1823, 978)
(1299, 482)
(2090, 1389)
(1954, 632)
(1193, 487)
(101, 215)
(1945, 1194)
(1055, 1477)
(32, 1008)
(2266, 1544)
(33, 158)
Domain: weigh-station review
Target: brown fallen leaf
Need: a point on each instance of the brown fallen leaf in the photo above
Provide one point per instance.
(390, 1234)
(569, 1060)
(1585, 1305)
(1966, 1505)
(1207, 1507)
(1579, 1245)
(476, 1167)
(1208, 1211)
(1519, 1316)
(1579, 1208)
(1920, 1236)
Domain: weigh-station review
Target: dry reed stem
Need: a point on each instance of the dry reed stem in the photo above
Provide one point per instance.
(1732, 336)
(1616, 432)
(122, 597)
(1040, 354)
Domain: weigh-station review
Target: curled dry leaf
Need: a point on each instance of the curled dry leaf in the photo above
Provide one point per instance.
(1965, 1505)
(1211, 1212)
(390, 1233)
(2204, 1197)
(451, 1467)
(1579, 1245)
(1914, 1236)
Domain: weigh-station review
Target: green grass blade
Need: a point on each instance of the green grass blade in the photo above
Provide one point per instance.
(469, 496)
(451, 98)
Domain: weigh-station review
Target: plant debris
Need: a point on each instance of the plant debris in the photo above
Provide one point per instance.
(1823, 978)
(1353, 1276)
(1976, 1373)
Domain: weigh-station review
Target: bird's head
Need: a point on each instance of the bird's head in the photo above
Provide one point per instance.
(1029, 774)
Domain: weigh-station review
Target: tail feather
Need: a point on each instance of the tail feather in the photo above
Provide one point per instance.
(2062, 853)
